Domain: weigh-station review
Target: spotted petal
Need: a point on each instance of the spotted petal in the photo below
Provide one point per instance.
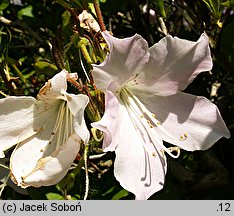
(127, 57)
(191, 122)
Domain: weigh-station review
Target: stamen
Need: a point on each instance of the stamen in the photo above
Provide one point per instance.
(95, 134)
(147, 112)
(148, 120)
(184, 136)
(175, 149)
(63, 126)
(83, 67)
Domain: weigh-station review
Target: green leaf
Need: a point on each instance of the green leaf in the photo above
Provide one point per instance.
(111, 190)
(160, 7)
(66, 17)
(4, 4)
(228, 3)
(54, 196)
(76, 197)
(12, 61)
(27, 11)
(45, 68)
(120, 194)
(214, 6)
(103, 1)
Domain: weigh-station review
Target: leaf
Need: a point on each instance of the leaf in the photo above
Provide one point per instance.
(66, 17)
(4, 4)
(122, 193)
(111, 190)
(228, 3)
(27, 11)
(12, 61)
(214, 6)
(54, 196)
(46, 68)
(160, 7)
(76, 197)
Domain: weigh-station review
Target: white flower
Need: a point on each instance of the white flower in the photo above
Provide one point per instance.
(47, 130)
(145, 106)
(88, 22)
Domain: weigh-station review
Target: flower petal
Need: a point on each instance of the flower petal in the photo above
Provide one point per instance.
(109, 121)
(28, 152)
(127, 56)
(16, 121)
(139, 165)
(54, 88)
(22, 117)
(31, 168)
(173, 64)
(57, 128)
(194, 122)
(77, 104)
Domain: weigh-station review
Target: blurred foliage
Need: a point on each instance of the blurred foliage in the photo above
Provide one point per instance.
(39, 38)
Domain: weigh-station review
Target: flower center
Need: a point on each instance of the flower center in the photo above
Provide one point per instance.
(146, 121)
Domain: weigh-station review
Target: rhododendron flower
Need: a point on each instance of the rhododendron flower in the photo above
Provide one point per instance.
(145, 106)
(48, 132)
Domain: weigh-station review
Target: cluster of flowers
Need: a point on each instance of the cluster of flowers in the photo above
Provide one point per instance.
(144, 107)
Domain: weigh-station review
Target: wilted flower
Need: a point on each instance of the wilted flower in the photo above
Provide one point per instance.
(145, 106)
(48, 132)
(88, 22)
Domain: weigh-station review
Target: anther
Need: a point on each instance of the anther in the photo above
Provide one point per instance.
(175, 149)
(97, 135)
(184, 136)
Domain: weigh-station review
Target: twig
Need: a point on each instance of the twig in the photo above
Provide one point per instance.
(99, 15)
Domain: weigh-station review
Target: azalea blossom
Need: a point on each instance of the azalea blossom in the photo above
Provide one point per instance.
(145, 106)
(48, 132)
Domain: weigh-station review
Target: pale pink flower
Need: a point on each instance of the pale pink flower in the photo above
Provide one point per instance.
(145, 106)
